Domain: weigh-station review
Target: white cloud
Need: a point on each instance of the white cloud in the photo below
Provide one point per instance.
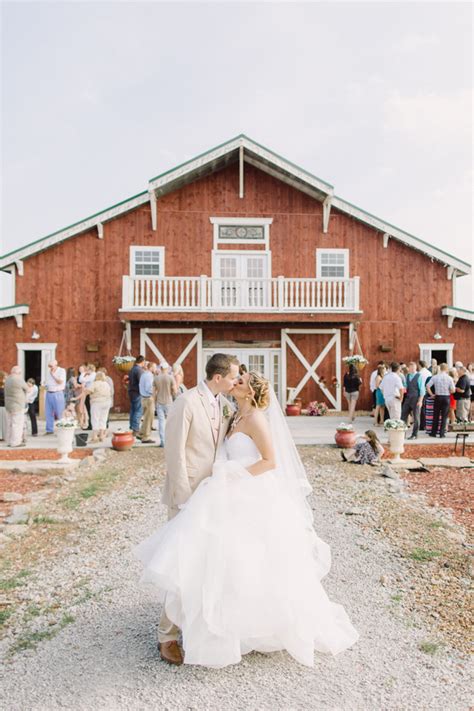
(415, 42)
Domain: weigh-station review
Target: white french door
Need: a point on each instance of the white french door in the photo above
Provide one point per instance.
(263, 360)
(240, 280)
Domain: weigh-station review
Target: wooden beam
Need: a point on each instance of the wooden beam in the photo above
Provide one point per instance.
(154, 212)
(241, 172)
(326, 213)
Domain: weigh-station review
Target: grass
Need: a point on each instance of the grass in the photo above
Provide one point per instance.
(31, 639)
(5, 614)
(396, 598)
(429, 647)
(422, 555)
(44, 520)
(99, 483)
(14, 582)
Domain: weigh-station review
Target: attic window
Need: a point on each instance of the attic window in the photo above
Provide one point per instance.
(239, 233)
(147, 261)
(332, 263)
(241, 230)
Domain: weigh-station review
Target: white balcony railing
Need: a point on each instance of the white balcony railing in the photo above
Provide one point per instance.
(205, 293)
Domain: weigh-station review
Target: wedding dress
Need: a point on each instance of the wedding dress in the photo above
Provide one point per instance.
(239, 569)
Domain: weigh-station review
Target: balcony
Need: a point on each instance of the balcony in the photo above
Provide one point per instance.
(211, 294)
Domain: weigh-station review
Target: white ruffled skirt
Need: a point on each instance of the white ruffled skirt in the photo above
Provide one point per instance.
(238, 569)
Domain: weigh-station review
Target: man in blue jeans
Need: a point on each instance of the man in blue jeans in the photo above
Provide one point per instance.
(134, 394)
(165, 390)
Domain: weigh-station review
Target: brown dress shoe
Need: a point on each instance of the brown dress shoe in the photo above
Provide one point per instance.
(170, 652)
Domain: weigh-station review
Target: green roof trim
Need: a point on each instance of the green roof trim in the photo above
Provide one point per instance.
(389, 224)
(456, 308)
(13, 306)
(74, 224)
(236, 138)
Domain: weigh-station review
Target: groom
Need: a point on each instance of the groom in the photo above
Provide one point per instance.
(196, 426)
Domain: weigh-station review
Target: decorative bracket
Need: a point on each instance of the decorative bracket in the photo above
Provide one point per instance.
(19, 320)
(100, 230)
(386, 237)
(451, 321)
(451, 272)
(154, 216)
(19, 267)
(326, 213)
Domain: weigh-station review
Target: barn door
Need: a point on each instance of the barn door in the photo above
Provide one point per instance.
(175, 345)
(321, 366)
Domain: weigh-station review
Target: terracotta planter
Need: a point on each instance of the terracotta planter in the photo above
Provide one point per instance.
(293, 410)
(124, 367)
(345, 439)
(123, 441)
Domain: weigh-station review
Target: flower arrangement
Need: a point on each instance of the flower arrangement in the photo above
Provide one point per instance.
(343, 427)
(357, 360)
(394, 425)
(317, 408)
(66, 422)
(120, 360)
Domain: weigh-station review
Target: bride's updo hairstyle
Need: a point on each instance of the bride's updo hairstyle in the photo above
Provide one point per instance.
(260, 390)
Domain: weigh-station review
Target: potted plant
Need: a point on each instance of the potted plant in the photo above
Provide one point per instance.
(316, 408)
(345, 436)
(396, 434)
(65, 433)
(123, 363)
(358, 360)
(293, 406)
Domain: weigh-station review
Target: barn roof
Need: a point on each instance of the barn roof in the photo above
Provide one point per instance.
(243, 148)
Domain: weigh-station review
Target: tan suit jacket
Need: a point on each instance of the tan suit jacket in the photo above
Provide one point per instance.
(191, 448)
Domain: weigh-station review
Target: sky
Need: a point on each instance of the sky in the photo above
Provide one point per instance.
(373, 97)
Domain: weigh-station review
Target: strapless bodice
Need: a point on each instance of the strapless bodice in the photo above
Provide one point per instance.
(241, 448)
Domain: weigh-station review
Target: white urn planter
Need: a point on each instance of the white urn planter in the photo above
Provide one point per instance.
(396, 439)
(65, 437)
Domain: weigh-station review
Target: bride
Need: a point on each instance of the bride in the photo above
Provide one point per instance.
(239, 568)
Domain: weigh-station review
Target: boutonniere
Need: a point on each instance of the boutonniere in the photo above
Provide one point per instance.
(226, 412)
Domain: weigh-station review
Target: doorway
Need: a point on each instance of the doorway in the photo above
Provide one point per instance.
(264, 360)
(33, 370)
(443, 352)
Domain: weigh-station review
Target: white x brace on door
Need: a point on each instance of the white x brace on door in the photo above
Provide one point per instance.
(334, 341)
(196, 340)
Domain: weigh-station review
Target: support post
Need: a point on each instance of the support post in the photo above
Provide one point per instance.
(326, 213)
(241, 172)
(153, 208)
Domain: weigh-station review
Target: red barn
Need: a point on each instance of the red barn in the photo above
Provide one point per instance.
(237, 250)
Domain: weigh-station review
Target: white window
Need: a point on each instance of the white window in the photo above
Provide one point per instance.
(332, 263)
(240, 279)
(241, 230)
(147, 261)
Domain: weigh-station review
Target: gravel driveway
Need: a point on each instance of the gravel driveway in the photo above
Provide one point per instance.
(105, 656)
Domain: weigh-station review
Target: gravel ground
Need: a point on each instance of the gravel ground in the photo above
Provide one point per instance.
(102, 651)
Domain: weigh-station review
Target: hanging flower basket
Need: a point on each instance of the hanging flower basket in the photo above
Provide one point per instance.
(123, 363)
(358, 360)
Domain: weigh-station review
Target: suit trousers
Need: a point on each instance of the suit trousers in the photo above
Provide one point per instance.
(440, 412)
(167, 630)
(463, 408)
(148, 408)
(410, 404)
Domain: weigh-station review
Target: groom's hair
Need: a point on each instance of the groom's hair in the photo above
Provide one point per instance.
(220, 364)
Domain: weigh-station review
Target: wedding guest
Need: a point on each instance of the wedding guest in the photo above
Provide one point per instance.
(424, 374)
(392, 390)
(3, 416)
(31, 398)
(453, 372)
(367, 450)
(80, 397)
(440, 387)
(470, 368)
(147, 394)
(379, 399)
(434, 364)
(372, 385)
(101, 400)
(134, 394)
(88, 378)
(351, 385)
(178, 375)
(165, 391)
(55, 385)
(429, 403)
(15, 406)
(462, 395)
(111, 385)
(71, 386)
(413, 398)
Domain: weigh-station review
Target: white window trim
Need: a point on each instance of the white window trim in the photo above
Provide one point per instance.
(136, 248)
(48, 353)
(246, 252)
(331, 251)
(448, 347)
(264, 222)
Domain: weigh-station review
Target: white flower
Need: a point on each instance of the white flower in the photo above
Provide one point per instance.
(394, 425)
(66, 422)
(345, 427)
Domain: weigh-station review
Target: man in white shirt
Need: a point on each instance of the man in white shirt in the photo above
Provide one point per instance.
(54, 403)
(392, 390)
(440, 387)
